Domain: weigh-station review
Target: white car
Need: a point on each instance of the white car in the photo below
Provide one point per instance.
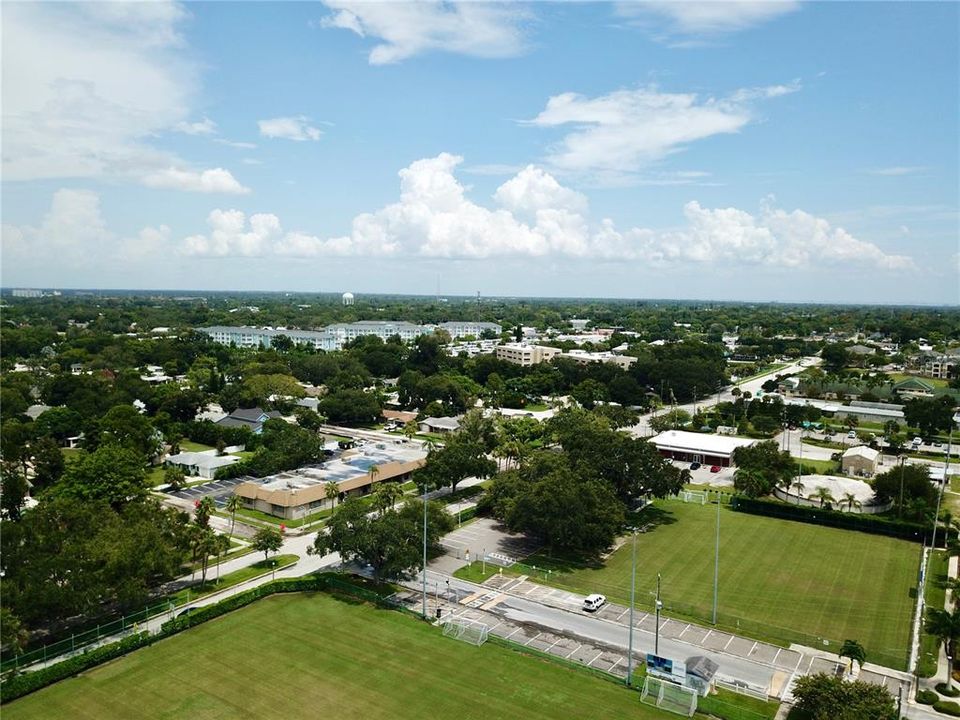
(852, 434)
(918, 441)
(593, 602)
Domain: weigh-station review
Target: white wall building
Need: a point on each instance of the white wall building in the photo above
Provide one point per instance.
(526, 355)
(462, 328)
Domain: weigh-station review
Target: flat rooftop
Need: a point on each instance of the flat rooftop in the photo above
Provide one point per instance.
(351, 464)
(682, 441)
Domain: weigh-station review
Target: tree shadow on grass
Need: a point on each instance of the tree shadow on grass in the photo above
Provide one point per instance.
(650, 518)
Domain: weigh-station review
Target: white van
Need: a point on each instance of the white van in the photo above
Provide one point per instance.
(593, 602)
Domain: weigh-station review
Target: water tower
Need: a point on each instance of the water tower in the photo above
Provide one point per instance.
(347, 298)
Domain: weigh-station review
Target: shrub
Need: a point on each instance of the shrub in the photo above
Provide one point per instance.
(952, 691)
(947, 707)
(873, 524)
(927, 697)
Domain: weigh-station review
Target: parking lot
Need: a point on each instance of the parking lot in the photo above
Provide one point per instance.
(218, 490)
(485, 536)
(703, 476)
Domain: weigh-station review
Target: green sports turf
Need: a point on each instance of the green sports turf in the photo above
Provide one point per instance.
(300, 656)
(780, 580)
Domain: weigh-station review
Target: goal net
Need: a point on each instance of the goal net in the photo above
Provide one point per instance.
(693, 496)
(669, 696)
(469, 631)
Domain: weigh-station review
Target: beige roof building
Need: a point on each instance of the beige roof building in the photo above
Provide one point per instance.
(860, 460)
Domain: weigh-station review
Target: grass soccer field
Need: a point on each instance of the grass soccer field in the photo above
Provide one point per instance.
(312, 655)
(780, 580)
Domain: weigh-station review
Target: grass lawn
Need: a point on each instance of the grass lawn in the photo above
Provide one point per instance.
(317, 656)
(780, 580)
(934, 597)
(935, 382)
(230, 579)
(821, 467)
(191, 446)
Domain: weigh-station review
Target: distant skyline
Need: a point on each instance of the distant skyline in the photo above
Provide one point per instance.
(749, 151)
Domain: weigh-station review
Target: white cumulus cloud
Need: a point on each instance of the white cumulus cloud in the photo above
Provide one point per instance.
(626, 130)
(200, 127)
(216, 180)
(289, 128)
(707, 17)
(75, 235)
(533, 215)
(405, 29)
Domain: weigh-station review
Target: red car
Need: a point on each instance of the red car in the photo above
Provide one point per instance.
(714, 468)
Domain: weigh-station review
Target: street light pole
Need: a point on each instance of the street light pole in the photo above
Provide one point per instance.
(656, 637)
(716, 564)
(633, 590)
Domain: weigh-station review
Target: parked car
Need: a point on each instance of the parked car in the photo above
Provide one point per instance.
(593, 602)
(694, 466)
(714, 468)
(918, 441)
(852, 434)
(938, 444)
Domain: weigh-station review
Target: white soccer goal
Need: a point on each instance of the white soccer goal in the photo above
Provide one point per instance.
(669, 696)
(469, 631)
(694, 496)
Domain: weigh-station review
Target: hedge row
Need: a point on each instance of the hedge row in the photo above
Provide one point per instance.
(28, 682)
(875, 524)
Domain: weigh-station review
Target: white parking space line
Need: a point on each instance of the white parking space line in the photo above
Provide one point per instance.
(732, 637)
(596, 658)
(565, 657)
(507, 637)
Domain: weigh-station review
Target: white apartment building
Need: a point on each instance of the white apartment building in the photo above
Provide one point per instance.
(251, 337)
(583, 357)
(383, 329)
(463, 328)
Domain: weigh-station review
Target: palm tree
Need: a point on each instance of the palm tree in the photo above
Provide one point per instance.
(331, 492)
(222, 543)
(385, 496)
(799, 486)
(850, 499)
(945, 626)
(204, 509)
(851, 421)
(233, 504)
(374, 472)
(823, 495)
(205, 545)
(787, 483)
(853, 650)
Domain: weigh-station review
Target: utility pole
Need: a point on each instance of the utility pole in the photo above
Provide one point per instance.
(656, 637)
(716, 564)
(633, 589)
(694, 400)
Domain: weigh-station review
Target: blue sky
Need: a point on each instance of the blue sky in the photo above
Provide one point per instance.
(748, 151)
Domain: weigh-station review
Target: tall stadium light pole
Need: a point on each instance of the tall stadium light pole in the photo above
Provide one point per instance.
(716, 564)
(900, 506)
(424, 550)
(946, 469)
(656, 637)
(633, 590)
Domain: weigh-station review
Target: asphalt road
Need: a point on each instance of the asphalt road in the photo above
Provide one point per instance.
(609, 633)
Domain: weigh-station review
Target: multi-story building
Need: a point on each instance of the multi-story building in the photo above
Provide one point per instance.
(463, 328)
(526, 355)
(27, 293)
(251, 337)
(383, 329)
(943, 367)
